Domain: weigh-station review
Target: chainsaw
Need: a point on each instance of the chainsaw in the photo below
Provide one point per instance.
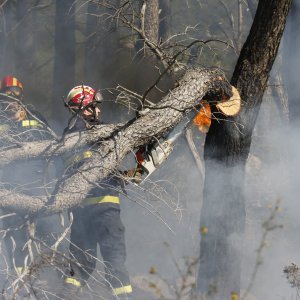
(151, 156)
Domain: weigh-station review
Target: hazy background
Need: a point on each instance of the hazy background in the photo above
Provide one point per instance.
(106, 58)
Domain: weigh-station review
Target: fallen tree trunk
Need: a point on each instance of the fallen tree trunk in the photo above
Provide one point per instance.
(119, 140)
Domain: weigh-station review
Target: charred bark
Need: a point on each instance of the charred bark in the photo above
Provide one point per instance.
(226, 151)
(119, 140)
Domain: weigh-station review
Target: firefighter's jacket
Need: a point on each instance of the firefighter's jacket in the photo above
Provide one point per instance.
(26, 176)
(97, 221)
(107, 191)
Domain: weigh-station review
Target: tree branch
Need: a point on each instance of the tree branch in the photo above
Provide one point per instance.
(113, 142)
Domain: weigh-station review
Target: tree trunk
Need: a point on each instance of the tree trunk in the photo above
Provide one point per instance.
(149, 13)
(64, 60)
(226, 151)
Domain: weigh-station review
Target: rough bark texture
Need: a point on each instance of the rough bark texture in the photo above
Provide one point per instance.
(116, 141)
(226, 151)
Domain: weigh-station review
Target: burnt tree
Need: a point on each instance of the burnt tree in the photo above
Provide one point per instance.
(226, 151)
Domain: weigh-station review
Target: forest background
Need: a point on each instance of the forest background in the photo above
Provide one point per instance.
(53, 45)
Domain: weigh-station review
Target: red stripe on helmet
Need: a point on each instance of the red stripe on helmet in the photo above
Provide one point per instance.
(81, 95)
(10, 81)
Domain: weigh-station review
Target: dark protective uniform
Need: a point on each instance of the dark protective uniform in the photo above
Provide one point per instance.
(97, 221)
(26, 177)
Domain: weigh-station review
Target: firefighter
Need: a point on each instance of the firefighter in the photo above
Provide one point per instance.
(18, 125)
(97, 221)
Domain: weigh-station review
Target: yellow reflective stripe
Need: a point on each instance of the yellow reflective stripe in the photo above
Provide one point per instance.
(26, 123)
(127, 289)
(72, 281)
(234, 296)
(78, 157)
(103, 199)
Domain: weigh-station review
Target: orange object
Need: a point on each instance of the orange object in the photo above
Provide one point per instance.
(10, 81)
(203, 118)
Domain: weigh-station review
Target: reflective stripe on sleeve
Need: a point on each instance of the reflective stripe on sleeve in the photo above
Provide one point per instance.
(72, 281)
(103, 199)
(26, 123)
(127, 289)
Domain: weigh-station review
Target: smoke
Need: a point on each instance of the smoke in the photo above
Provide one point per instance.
(163, 229)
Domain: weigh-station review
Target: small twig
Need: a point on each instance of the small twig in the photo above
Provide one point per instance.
(268, 226)
(192, 146)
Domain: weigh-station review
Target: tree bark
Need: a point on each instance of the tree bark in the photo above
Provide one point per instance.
(226, 151)
(115, 144)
